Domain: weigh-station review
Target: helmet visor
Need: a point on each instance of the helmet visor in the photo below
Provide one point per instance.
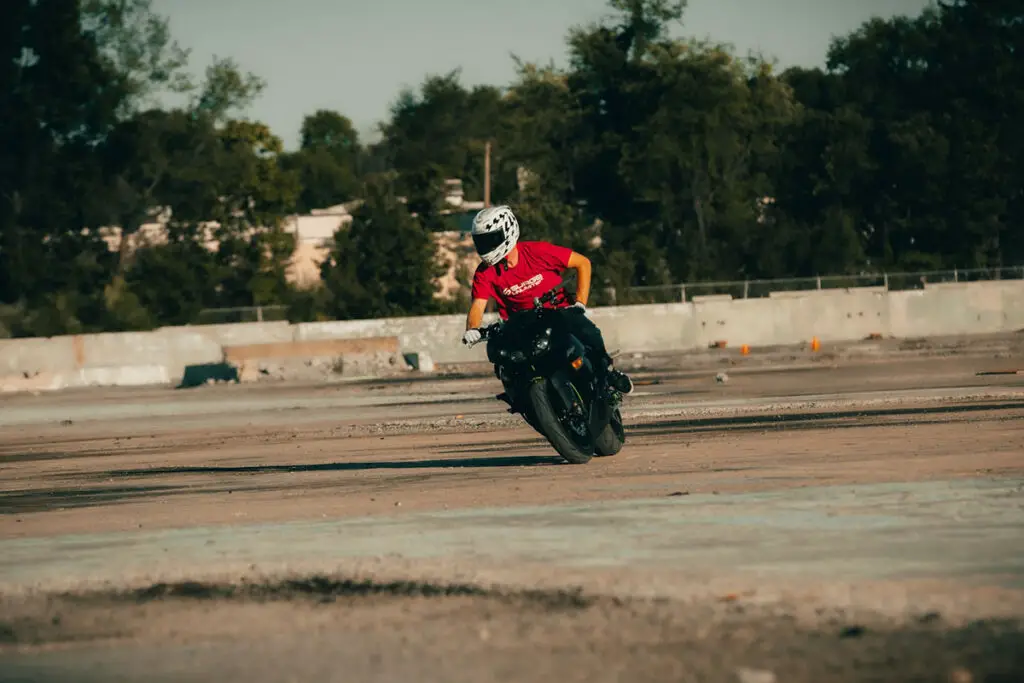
(488, 241)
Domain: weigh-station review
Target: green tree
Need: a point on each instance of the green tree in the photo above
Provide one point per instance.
(82, 148)
(255, 195)
(545, 216)
(173, 282)
(328, 162)
(441, 133)
(155, 161)
(58, 101)
(226, 91)
(676, 143)
(154, 147)
(331, 131)
(221, 184)
(136, 45)
(910, 139)
(383, 264)
(824, 165)
(543, 130)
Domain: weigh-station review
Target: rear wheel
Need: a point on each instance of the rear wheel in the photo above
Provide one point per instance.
(552, 428)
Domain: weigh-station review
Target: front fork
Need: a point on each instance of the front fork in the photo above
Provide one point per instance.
(515, 402)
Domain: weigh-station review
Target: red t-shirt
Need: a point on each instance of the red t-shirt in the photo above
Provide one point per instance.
(539, 269)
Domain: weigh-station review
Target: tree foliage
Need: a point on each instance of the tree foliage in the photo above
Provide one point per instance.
(664, 159)
(136, 45)
(383, 264)
(328, 162)
(83, 150)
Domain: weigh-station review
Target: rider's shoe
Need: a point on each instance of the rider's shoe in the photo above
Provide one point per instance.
(620, 381)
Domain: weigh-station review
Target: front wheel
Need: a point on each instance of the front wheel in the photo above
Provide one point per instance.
(552, 427)
(610, 440)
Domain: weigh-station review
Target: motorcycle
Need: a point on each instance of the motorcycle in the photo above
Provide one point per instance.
(549, 380)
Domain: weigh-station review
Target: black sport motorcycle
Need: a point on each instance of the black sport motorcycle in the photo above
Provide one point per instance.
(550, 381)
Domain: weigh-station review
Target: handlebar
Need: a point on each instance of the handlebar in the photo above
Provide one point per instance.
(549, 297)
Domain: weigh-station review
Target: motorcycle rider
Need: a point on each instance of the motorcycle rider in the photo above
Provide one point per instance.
(515, 272)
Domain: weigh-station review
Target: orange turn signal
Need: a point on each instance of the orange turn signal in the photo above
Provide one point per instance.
(577, 363)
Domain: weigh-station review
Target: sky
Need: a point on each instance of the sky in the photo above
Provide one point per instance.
(355, 56)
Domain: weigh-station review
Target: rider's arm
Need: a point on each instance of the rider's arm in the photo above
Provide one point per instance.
(582, 265)
(476, 314)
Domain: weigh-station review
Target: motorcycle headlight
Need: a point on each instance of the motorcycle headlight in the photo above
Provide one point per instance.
(543, 342)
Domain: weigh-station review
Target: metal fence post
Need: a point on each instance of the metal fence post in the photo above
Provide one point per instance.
(819, 281)
(746, 288)
(885, 281)
(682, 293)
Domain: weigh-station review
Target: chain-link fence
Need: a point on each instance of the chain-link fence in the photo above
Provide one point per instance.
(748, 289)
(737, 289)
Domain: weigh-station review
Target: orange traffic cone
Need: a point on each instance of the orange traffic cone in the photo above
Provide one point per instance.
(815, 344)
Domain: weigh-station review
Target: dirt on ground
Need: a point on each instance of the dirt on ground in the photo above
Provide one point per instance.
(272, 474)
(327, 630)
(86, 469)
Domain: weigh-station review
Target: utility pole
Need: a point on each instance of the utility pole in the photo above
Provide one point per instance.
(487, 174)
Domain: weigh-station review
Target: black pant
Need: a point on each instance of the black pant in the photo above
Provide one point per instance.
(584, 329)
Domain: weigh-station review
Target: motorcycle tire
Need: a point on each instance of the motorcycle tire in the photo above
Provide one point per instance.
(531, 419)
(552, 427)
(610, 440)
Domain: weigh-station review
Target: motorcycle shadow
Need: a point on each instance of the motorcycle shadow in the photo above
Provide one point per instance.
(482, 449)
(483, 461)
(496, 460)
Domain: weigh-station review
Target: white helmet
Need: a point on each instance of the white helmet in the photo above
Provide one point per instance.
(495, 232)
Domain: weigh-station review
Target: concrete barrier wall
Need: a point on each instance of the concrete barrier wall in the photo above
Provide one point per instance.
(782, 318)
(321, 348)
(794, 317)
(438, 336)
(973, 308)
(31, 356)
(240, 334)
(175, 349)
(1013, 306)
(646, 328)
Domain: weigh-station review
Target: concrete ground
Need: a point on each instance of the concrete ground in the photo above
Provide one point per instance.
(851, 515)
